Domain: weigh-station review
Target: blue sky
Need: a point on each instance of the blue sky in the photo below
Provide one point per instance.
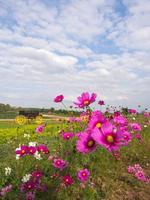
(50, 47)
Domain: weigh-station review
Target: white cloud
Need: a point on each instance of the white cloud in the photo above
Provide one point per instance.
(48, 50)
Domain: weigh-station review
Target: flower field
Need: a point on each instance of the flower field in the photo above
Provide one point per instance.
(91, 157)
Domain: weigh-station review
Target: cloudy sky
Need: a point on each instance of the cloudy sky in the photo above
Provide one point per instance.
(50, 47)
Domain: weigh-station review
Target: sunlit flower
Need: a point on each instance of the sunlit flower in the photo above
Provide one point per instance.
(107, 137)
(83, 175)
(96, 120)
(85, 99)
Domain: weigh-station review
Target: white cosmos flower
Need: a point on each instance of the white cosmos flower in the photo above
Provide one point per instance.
(37, 155)
(32, 144)
(26, 178)
(7, 171)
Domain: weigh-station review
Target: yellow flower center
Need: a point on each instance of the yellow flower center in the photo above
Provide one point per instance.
(110, 138)
(86, 102)
(90, 143)
(98, 125)
(23, 151)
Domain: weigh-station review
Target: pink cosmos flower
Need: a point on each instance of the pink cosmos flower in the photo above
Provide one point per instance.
(131, 170)
(67, 180)
(85, 99)
(146, 114)
(58, 98)
(138, 136)
(28, 186)
(117, 113)
(5, 190)
(132, 111)
(23, 150)
(37, 174)
(32, 150)
(135, 126)
(83, 175)
(126, 137)
(138, 172)
(43, 148)
(86, 143)
(122, 121)
(96, 120)
(101, 103)
(30, 196)
(140, 175)
(40, 129)
(59, 164)
(108, 137)
(67, 135)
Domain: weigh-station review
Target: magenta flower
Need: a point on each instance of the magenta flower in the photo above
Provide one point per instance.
(122, 121)
(126, 137)
(86, 143)
(83, 175)
(96, 120)
(67, 135)
(43, 148)
(28, 186)
(40, 129)
(108, 137)
(140, 175)
(131, 170)
(85, 99)
(59, 164)
(5, 190)
(138, 172)
(37, 174)
(67, 180)
(30, 196)
(58, 98)
(135, 126)
(101, 103)
(23, 150)
(32, 150)
(132, 111)
(146, 114)
(138, 136)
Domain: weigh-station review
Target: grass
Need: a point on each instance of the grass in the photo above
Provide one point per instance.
(109, 179)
